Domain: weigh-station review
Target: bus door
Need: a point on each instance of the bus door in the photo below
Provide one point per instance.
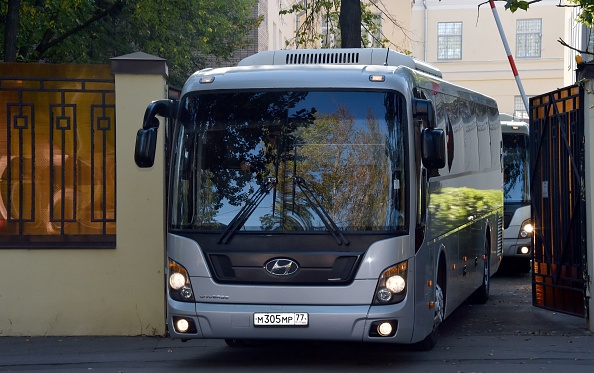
(558, 201)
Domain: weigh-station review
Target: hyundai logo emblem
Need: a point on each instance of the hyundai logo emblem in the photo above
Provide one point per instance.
(281, 267)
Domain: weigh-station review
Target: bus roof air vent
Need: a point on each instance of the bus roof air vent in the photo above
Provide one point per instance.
(324, 57)
(353, 56)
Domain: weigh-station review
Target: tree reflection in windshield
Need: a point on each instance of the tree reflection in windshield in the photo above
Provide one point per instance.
(515, 165)
(344, 145)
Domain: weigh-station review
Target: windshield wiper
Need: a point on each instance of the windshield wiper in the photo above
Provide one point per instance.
(322, 213)
(247, 210)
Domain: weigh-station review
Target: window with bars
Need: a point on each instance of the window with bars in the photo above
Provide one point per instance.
(329, 33)
(449, 40)
(519, 108)
(528, 38)
(372, 37)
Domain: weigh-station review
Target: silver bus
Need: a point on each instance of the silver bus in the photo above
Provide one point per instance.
(344, 194)
(517, 236)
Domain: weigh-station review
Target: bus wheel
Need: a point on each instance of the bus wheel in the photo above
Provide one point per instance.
(481, 295)
(430, 340)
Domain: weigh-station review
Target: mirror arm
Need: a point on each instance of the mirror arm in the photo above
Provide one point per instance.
(164, 108)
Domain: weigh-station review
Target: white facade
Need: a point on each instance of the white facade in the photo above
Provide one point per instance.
(281, 28)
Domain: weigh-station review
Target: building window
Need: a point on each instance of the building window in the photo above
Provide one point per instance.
(372, 33)
(329, 33)
(528, 38)
(589, 44)
(449, 40)
(520, 112)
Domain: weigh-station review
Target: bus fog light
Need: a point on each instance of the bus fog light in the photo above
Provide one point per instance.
(384, 329)
(524, 250)
(182, 325)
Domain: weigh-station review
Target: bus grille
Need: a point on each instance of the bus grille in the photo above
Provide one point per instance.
(322, 57)
(500, 235)
(314, 268)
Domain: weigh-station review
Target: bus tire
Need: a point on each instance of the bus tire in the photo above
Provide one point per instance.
(481, 295)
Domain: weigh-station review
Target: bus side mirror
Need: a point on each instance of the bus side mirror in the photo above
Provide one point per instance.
(423, 109)
(146, 143)
(433, 150)
(146, 137)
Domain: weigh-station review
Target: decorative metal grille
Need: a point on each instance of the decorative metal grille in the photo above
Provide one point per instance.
(57, 156)
(558, 200)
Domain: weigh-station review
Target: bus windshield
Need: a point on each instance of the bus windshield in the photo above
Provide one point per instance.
(516, 168)
(289, 161)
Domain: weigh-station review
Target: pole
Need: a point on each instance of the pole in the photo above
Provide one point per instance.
(509, 55)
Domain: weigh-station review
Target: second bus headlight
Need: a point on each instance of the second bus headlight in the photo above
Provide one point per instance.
(526, 229)
(180, 287)
(391, 287)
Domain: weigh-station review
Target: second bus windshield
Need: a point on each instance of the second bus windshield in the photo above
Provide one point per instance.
(290, 161)
(515, 164)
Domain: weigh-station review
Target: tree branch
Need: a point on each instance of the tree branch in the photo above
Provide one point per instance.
(10, 31)
(563, 43)
(116, 7)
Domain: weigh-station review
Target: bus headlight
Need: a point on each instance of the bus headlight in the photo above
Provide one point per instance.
(180, 287)
(526, 229)
(391, 287)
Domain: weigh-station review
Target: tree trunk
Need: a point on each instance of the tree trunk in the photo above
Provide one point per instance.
(350, 23)
(10, 31)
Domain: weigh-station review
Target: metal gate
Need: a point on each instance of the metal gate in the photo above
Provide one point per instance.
(558, 201)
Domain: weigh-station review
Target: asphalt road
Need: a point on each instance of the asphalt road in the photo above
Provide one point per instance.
(506, 334)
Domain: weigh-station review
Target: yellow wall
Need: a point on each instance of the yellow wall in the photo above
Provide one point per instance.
(398, 27)
(99, 292)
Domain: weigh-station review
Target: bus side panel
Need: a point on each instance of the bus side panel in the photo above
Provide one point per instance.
(425, 279)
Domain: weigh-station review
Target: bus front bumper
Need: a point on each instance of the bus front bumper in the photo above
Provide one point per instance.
(517, 248)
(337, 323)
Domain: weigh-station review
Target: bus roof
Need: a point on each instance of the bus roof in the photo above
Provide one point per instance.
(354, 56)
(324, 68)
(514, 127)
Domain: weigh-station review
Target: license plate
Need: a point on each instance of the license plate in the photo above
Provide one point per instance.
(281, 319)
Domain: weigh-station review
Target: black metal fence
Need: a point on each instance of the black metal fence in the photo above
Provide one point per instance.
(558, 200)
(57, 156)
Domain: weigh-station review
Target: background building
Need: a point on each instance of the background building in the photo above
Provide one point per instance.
(462, 40)
(274, 32)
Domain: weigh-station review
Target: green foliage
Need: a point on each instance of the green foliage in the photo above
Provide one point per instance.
(450, 207)
(514, 5)
(184, 32)
(586, 12)
(312, 15)
(585, 15)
